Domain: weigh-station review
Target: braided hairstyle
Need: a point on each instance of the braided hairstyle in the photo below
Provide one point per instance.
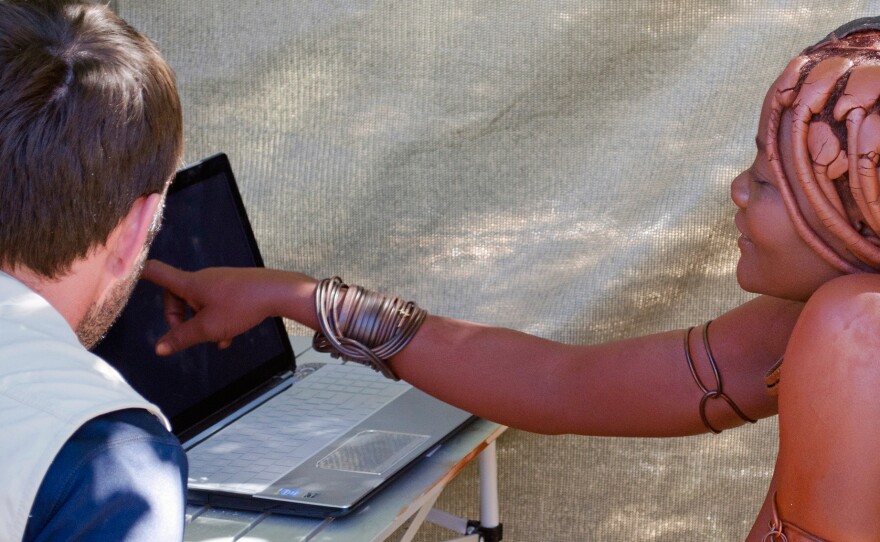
(833, 92)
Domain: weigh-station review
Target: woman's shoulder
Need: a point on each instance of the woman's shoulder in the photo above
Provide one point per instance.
(854, 282)
(841, 300)
(840, 323)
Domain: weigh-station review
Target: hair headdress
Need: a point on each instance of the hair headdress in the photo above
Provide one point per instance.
(832, 89)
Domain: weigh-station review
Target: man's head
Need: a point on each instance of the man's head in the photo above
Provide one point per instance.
(90, 121)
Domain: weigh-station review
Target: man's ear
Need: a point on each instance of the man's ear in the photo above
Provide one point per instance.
(126, 241)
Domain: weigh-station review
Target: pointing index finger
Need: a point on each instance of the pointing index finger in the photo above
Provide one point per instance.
(162, 274)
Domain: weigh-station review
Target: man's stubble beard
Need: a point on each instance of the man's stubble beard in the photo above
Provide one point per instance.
(99, 318)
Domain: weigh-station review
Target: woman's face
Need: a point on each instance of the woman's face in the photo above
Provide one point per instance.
(774, 259)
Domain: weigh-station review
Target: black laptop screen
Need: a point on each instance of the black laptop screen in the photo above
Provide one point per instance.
(204, 225)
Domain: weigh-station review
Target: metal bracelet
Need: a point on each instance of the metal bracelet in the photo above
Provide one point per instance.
(718, 392)
(363, 326)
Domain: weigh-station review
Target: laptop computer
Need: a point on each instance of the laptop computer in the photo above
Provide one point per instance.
(259, 433)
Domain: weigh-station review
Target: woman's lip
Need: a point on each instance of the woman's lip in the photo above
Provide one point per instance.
(742, 236)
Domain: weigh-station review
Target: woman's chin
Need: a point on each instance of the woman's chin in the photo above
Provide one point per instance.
(791, 291)
(750, 283)
(744, 279)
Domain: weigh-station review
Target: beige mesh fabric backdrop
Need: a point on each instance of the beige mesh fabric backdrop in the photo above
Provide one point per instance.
(559, 167)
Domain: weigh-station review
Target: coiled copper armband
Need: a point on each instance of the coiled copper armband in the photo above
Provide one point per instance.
(718, 392)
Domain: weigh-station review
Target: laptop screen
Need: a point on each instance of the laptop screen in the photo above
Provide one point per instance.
(204, 225)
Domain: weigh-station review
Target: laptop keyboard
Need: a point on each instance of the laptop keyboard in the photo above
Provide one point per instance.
(266, 443)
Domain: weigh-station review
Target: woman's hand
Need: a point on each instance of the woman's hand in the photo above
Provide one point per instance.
(224, 302)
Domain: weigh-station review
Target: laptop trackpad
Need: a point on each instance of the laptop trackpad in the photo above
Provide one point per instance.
(371, 452)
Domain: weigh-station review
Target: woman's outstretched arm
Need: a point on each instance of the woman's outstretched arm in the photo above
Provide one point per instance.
(636, 387)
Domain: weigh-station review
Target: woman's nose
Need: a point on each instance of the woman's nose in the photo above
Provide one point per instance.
(739, 190)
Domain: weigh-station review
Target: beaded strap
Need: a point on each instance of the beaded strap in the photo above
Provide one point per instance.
(363, 326)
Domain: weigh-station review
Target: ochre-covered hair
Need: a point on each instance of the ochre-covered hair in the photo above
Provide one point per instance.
(832, 89)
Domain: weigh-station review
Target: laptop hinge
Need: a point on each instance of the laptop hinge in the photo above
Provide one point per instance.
(278, 385)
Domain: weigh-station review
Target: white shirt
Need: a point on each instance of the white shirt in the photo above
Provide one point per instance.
(50, 385)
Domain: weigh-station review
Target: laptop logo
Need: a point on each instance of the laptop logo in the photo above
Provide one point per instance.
(287, 492)
(291, 492)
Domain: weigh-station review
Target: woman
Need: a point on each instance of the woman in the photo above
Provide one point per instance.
(809, 216)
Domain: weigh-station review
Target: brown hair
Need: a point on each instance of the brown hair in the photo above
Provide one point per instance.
(90, 120)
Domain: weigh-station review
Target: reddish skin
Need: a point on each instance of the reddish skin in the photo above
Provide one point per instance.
(826, 408)
(774, 258)
(828, 502)
(535, 379)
